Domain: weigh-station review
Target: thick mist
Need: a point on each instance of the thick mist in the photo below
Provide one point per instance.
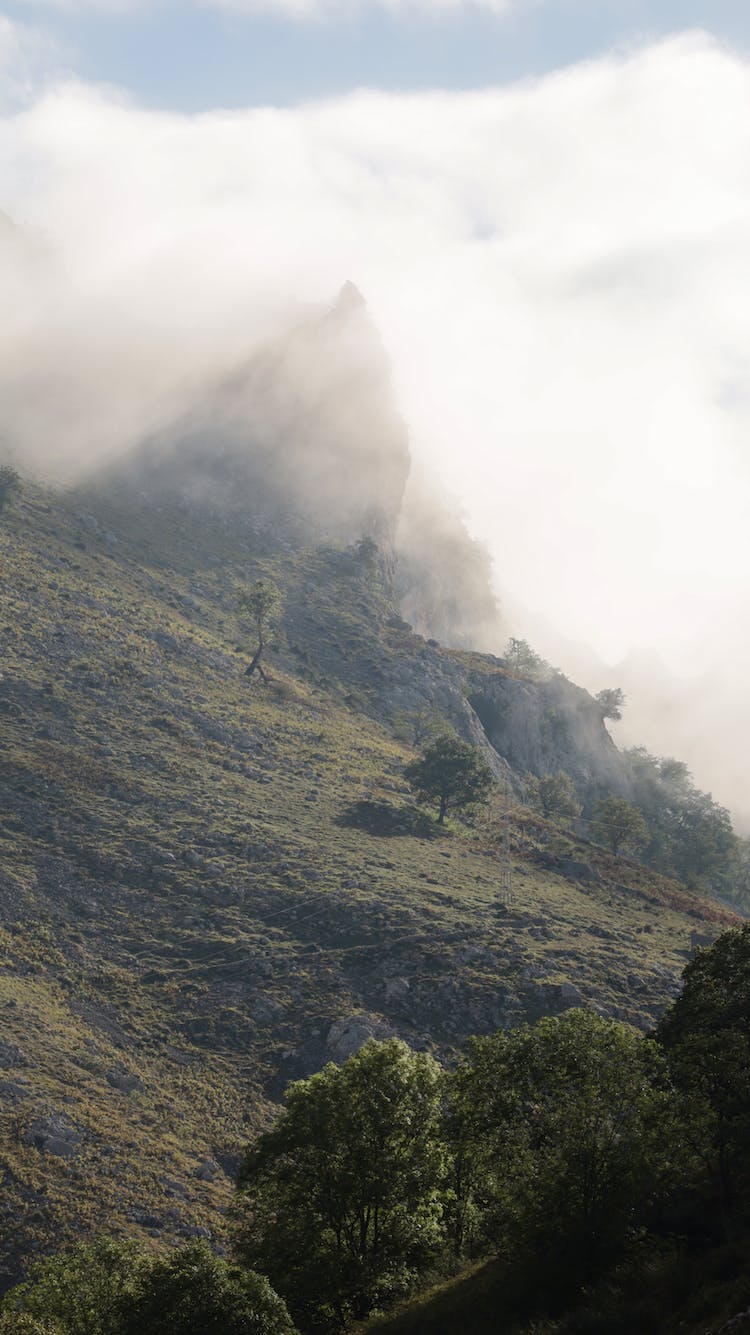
(557, 271)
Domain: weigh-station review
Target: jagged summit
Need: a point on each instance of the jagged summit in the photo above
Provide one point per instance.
(305, 442)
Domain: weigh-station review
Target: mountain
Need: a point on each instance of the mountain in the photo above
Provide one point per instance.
(209, 885)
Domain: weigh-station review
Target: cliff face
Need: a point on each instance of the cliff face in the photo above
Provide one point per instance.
(303, 449)
(541, 727)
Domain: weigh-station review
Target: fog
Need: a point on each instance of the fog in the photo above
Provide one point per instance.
(558, 273)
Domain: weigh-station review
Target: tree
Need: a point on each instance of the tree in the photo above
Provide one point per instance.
(610, 702)
(419, 726)
(340, 1203)
(520, 656)
(706, 1036)
(260, 604)
(79, 1291)
(451, 772)
(10, 484)
(704, 843)
(15, 1323)
(562, 1132)
(618, 823)
(192, 1292)
(554, 795)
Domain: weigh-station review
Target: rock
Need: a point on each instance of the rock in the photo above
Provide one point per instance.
(208, 1170)
(145, 1219)
(54, 1135)
(570, 996)
(396, 989)
(10, 1055)
(12, 1092)
(126, 1081)
(347, 1036)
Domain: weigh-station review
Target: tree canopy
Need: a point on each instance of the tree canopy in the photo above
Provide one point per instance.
(706, 1035)
(554, 795)
(562, 1126)
(452, 773)
(114, 1288)
(192, 1292)
(340, 1202)
(619, 824)
(611, 702)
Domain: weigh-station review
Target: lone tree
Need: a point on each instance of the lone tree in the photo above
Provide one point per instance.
(260, 604)
(554, 795)
(618, 823)
(520, 656)
(451, 772)
(611, 702)
(10, 484)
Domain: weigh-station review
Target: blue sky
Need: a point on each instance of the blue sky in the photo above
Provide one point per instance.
(192, 56)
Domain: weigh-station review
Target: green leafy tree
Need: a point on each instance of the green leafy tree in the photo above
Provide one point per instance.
(16, 1323)
(260, 604)
(619, 824)
(706, 1036)
(611, 702)
(704, 843)
(192, 1292)
(80, 1291)
(561, 1134)
(554, 795)
(452, 773)
(340, 1204)
(10, 485)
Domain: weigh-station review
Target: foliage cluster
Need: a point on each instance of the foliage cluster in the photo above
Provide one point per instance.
(554, 795)
(451, 773)
(113, 1288)
(575, 1138)
(689, 835)
(570, 1138)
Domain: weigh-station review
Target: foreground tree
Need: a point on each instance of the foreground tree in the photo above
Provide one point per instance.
(192, 1292)
(78, 1292)
(340, 1204)
(452, 773)
(15, 1323)
(260, 604)
(554, 795)
(562, 1132)
(706, 1036)
(114, 1288)
(619, 824)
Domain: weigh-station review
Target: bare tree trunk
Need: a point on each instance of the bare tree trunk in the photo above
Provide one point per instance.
(255, 666)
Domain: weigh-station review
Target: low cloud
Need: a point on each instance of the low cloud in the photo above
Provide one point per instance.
(558, 270)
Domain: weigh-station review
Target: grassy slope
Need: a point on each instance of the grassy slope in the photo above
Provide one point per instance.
(182, 902)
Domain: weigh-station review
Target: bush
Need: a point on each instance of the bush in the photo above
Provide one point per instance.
(192, 1292)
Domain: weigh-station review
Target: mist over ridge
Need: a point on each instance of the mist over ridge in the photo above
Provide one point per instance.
(555, 281)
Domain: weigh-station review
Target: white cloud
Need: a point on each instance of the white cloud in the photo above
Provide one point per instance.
(28, 55)
(559, 270)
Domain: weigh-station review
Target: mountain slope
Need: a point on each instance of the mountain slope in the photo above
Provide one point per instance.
(208, 886)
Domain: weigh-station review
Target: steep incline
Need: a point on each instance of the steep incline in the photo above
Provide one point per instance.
(208, 886)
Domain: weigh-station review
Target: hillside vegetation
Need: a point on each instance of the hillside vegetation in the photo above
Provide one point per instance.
(209, 885)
